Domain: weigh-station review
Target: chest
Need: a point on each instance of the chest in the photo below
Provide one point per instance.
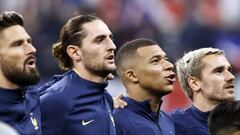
(90, 115)
(23, 115)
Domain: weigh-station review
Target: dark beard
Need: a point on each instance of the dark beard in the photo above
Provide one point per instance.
(21, 78)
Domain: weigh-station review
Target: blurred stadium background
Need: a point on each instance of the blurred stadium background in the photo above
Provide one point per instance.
(177, 25)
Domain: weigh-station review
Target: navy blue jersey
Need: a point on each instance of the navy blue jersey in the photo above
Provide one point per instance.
(137, 118)
(20, 109)
(71, 105)
(190, 121)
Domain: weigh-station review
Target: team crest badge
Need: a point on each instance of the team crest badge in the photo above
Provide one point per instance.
(34, 121)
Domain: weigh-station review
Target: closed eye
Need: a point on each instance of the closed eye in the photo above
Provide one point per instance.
(100, 38)
(218, 70)
(17, 43)
(157, 58)
(155, 61)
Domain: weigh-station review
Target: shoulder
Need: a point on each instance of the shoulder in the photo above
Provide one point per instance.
(164, 114)
(188, 130)
(55, 107)
(56, 89)
(55, 82)
(181, 118)
(186, 124)
(179, 113)
(125, 117)
(121, 112)
(125, 122)
(166, 123)
(55, 97)
(165, 118)
(122, 116)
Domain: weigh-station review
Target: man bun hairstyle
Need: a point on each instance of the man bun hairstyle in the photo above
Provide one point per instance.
(72, 33)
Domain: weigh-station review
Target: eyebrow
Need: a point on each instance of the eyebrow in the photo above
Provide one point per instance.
(99, 37)
(158, 56)
(222, 68)
(16, 41)
(20, 40)
(103, 36)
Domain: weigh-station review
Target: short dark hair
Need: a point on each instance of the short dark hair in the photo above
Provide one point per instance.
(10, 18)
(72, 33)
(225, 118)
(128, 51)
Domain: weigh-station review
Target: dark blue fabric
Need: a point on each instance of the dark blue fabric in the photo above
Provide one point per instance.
(71, 105)
(137, 118)
(190, 121)
(20, 109)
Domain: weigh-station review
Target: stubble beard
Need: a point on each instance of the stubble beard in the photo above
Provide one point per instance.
(99, 69)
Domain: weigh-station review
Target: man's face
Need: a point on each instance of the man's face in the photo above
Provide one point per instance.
(98, 48)
(17, 56)
(153, 70)
(217, 83)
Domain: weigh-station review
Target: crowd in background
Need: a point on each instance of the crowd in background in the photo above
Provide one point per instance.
(177, 25)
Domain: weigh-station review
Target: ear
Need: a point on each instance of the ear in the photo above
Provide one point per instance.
(131, 76)
(194, 83)
(74, 52)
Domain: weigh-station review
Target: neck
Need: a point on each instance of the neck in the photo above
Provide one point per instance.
(204, 108)
(5, 83)
(140, 94)
(203, 104)
(155, 104)
(88, 75)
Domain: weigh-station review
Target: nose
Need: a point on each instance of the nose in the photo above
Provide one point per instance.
(169, 65)
(31, 49)
(230, 76)
(111, 45)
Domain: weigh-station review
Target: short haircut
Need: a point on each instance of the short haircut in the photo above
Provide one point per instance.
(72, 33)
(191, 65)
(225, 118)
(10, 18)
(128, 51)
